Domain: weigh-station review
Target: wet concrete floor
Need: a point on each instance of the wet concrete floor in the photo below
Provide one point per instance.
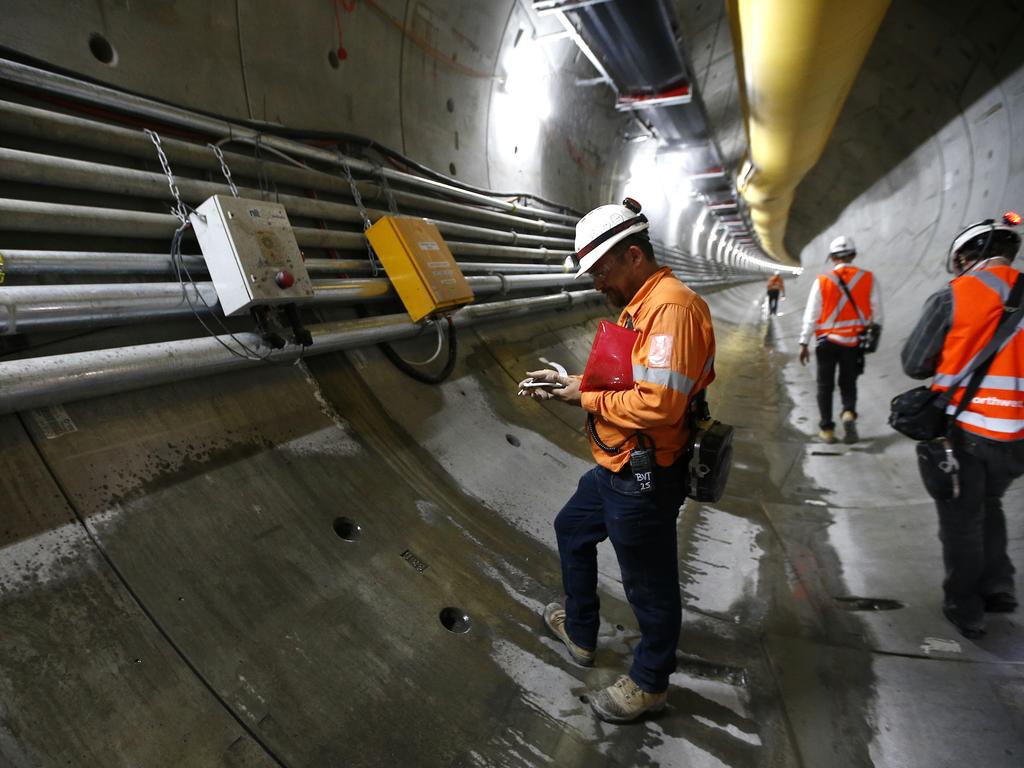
(334, 565)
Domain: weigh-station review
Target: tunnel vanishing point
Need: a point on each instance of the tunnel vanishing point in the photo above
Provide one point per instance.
(220, 546)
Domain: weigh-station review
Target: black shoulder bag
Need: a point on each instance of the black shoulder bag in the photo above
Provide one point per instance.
(872, 333)
(920, 413)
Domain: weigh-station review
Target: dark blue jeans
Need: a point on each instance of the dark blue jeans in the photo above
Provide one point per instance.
(642, 529)
(972, 528)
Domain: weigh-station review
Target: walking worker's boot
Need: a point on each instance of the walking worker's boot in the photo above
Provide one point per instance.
(827, 436)
(624, 701)
(850, 427)
(554, 619)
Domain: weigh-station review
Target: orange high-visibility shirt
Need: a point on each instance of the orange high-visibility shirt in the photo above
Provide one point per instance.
(839, 320)
(775, 283)
(997, 410)
(673, 360)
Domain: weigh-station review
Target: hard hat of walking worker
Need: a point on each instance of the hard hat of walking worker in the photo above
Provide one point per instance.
(986, 239)
(842, 248)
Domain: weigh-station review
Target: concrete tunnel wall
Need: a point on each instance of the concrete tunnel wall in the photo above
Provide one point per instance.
(212, 611)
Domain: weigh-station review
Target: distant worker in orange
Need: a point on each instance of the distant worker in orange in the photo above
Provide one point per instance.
(775, 287)
(672, 362)
(841, 305)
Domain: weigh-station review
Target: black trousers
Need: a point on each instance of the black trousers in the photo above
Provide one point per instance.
(850, 363)
(972, 528)
(773, 302)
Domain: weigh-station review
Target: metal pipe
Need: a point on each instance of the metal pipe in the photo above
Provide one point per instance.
(36, 308)
(20, 263)
(40, 381)
(35, 168)
(51, 82)
(35, 216)
(24, 120)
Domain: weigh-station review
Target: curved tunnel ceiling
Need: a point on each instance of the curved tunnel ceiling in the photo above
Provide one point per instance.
(275, 566)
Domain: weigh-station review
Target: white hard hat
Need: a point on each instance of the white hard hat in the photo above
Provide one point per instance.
(842, 246)
(985, 238)
(602, 228)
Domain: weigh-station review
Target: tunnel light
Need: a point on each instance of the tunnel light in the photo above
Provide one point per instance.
(523, 102)
(698, 230)
(527, 78)
(644, 181)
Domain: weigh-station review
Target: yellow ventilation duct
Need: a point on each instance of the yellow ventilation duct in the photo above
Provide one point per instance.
(796, 61)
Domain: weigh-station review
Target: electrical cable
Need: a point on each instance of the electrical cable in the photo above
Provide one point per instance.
(437, 352)
(408, 366)
(422, 376)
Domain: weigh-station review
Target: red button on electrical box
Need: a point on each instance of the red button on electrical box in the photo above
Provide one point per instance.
(284, 279)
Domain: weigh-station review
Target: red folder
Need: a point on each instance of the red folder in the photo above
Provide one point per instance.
(610, 365)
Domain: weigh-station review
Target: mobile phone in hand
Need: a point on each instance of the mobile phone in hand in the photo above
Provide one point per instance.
(531, 384)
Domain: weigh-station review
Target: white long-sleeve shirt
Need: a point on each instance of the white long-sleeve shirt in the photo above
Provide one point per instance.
(813, 309)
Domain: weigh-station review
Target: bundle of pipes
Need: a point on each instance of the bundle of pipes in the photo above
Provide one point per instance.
(96, 185)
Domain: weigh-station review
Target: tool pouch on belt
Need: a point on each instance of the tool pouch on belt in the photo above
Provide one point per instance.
(940, 471)
(610, 365)
(710, 453)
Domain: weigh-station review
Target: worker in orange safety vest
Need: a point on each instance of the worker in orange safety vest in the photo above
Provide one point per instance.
(643, 425)
(988, 436)
(839, 307)
(775, 287)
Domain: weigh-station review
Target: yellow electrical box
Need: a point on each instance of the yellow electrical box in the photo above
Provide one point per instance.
(419, 264)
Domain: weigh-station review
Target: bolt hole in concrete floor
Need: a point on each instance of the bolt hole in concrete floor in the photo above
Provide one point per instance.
(812, 634)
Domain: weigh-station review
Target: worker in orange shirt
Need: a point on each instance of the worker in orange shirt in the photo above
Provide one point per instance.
(841, 304)
(672, 363)
(956, 326)
(775, 287)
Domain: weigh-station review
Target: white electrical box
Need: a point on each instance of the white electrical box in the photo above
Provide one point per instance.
(251, 253)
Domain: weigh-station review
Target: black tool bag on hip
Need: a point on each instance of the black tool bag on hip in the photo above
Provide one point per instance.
(920, 413)
(936, 456)
(710, 453)
(867, 340)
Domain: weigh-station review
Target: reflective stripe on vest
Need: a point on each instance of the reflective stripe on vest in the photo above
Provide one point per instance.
(996, 411)
(839, 320)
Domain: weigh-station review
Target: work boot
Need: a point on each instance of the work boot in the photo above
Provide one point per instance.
(827, 436)
(1000, 602)
(972, 630)
(554, 618)
(625, 701)
(850, 426)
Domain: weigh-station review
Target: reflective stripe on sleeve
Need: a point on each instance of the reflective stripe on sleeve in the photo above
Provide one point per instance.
(665, 377)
